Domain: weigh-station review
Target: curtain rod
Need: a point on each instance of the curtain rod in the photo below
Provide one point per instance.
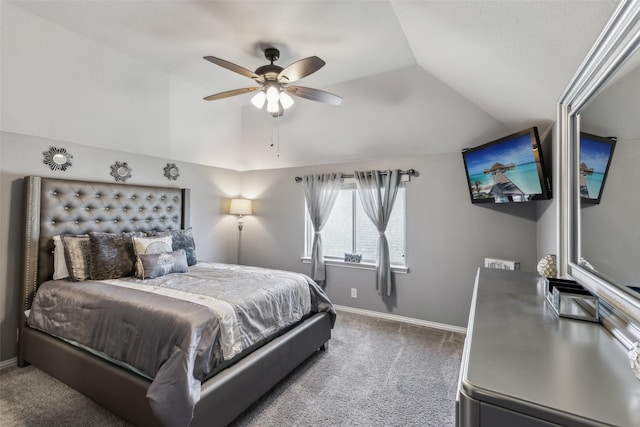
(410, 172)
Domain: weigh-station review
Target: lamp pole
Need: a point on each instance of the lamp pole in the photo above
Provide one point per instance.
(240, 207)
(240, 225)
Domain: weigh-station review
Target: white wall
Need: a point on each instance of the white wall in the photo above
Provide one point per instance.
(447, 237)
(60, 85)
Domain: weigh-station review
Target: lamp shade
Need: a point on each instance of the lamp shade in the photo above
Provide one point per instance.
(240, 207)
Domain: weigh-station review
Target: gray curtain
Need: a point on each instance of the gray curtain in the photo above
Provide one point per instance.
(377, 192)
(321, 192)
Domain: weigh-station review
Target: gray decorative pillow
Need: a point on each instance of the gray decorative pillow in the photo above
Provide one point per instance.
(182, 239)
(112, 255)
(352, 257)
(156, 265)
(77, 256)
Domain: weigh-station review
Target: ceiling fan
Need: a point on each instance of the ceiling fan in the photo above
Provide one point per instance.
(274, 83)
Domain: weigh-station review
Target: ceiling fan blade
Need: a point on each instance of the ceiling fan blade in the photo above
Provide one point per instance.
(314, 95)
(235, 68)
(300, 69)
(229, 93)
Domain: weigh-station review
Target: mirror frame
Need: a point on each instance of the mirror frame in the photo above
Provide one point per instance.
(619, 40)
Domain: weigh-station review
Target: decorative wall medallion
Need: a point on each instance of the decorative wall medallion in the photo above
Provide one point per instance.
(57, 158)
(171, 171)
(121, 171)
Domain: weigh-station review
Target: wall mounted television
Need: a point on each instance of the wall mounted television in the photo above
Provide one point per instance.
(595, 158)
(509, 169)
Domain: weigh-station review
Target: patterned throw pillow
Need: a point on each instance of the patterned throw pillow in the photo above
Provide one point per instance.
(76, 251)
(182, 239)
(352, 257)
(112, 255)
(156, 265)
(152, 245)
(148, 246)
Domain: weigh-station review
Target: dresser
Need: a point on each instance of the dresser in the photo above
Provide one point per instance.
(524, 366)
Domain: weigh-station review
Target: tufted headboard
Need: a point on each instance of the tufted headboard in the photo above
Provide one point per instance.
(59, 206)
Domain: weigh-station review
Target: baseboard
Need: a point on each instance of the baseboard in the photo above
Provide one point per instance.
(8, 363)
(396, 318)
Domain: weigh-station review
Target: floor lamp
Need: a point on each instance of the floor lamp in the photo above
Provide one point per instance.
(240, 207)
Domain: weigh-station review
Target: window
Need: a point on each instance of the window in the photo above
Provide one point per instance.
(349, 230)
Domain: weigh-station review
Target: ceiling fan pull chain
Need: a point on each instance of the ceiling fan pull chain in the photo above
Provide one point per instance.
(272, 126)
(277, 119)
(275, 129)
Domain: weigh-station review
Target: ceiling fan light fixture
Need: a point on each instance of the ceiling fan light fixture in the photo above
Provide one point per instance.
(285, 100)
(273, 93)
(274, 81)
(259, 99)
(273, 107)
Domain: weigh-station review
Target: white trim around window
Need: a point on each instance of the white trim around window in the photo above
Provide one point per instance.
(357, 265)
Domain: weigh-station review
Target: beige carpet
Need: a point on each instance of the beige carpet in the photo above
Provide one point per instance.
(376, 373)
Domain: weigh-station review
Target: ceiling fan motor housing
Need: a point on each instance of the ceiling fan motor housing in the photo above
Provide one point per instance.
(270, 71)
(272, 54)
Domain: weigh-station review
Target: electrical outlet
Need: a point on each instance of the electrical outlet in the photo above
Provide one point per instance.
(354, 292)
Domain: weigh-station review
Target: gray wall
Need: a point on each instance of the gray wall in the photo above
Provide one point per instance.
(547, 227)
(447, 237)
(21, 155)
(611, 230)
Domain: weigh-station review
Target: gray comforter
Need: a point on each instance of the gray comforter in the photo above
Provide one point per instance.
(177, 328)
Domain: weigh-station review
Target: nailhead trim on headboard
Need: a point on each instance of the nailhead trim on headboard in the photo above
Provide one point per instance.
(58, 206)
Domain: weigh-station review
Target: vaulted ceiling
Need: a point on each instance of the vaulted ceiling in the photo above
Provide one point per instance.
(417, 77)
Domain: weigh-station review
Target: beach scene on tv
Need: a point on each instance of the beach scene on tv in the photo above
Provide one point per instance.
(504, 171)
(594, 158)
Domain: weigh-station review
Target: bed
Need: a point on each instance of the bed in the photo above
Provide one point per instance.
(65, 207)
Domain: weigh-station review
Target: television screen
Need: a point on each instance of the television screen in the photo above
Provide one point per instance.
(509, 169)
(595, 158)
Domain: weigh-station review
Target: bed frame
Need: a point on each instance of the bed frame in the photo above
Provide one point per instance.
(57, 206)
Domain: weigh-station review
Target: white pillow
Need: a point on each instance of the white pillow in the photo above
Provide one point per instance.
(152, 245)
(60, 270)
(149, 246)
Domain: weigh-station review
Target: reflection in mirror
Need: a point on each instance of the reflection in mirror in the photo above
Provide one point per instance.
(610, 231)
(598, 244)
(59, 159)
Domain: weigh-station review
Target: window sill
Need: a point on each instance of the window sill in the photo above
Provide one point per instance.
(357, 265)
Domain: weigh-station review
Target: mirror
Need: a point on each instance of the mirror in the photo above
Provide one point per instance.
(120, 171)
(171, 172)
(610, 231)
(599, 244)
(57, 158)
